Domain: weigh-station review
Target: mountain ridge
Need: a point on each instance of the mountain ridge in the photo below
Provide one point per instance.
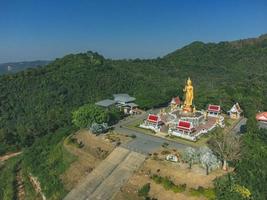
(12, 67)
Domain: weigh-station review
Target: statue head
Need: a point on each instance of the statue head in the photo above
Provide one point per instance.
(189, 82)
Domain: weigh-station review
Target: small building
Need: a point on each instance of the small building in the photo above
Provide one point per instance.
(262, 117)
(106, 103)
(214, 110)
(131, 108)
(235, 112)
(123, 99)
(152, 122)
(153, 119)
(175, 102)
(185, 127)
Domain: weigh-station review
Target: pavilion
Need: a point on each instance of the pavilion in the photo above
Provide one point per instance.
(122, 101)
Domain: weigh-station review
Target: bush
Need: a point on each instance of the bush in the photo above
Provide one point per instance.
(179, 188)
(143, 191)
(165, 152)
(133, 136)
(167, 184)
(156, 178)
(165, 144)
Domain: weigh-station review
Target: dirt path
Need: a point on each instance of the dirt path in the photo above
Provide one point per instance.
(9, 155)
(20, 185)
(37, 186)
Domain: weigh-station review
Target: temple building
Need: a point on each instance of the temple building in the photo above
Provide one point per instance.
(175, 103)
(235, 112)
(152, 122)
(214, 110)
(262, 117)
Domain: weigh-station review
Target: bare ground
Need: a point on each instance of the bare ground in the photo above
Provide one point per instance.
(94, 150)
(177, 172)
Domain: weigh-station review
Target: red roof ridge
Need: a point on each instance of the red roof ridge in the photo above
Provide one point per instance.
(212, 107)
(153, 118)
(184, 125)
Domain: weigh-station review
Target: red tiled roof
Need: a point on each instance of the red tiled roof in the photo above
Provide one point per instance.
(214, 108)
(153, 118)
(184, 125)
(176, 101)
(262, 116)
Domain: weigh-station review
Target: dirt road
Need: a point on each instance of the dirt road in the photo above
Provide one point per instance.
(10, 155)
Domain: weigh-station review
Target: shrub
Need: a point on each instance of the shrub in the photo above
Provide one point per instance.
(167, 184)
(165, 152)
(179, 188)
(156, 178)
(133, 136)
(143, 191)
(165, 144)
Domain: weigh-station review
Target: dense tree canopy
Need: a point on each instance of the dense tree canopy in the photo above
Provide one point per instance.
(88, 114)
(38, 103)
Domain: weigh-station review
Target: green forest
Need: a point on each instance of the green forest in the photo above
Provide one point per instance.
(37, 104)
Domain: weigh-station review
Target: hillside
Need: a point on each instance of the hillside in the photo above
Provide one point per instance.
(14, 67)
(44, 98)
(37, 103)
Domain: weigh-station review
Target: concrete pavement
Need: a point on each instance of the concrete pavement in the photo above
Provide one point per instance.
(143, 143)
(107, 178)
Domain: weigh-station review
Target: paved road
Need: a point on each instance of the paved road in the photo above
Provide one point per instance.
(263, 125)
(143, 143)
(236, 128)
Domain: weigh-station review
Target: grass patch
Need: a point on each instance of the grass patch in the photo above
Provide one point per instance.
(8, 178)
(47, 159)
(168, 184)
(144, 190)
(30, 193)
(209, 193)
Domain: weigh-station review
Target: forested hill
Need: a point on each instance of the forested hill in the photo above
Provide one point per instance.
(38, 101)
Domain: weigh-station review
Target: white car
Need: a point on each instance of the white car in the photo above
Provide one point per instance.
(172, 158)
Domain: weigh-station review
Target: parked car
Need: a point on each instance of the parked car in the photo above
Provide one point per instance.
(172, 158)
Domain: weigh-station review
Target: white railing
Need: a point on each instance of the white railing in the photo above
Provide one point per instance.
(150, 127)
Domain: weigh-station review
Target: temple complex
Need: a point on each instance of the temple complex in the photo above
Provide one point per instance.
(183, 119)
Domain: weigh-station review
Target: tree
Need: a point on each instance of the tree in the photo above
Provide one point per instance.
(88, 114)
(226, 146)
(190, 156)
(98, 128)
(208, 159)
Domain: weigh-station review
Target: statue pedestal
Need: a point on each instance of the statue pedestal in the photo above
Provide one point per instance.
(187, 109)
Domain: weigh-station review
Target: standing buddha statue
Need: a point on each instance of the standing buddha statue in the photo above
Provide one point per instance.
(189, 96)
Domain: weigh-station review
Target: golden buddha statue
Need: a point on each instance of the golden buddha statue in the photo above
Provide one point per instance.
(189, 96)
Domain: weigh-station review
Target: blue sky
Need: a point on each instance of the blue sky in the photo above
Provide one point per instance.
(46, 29)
